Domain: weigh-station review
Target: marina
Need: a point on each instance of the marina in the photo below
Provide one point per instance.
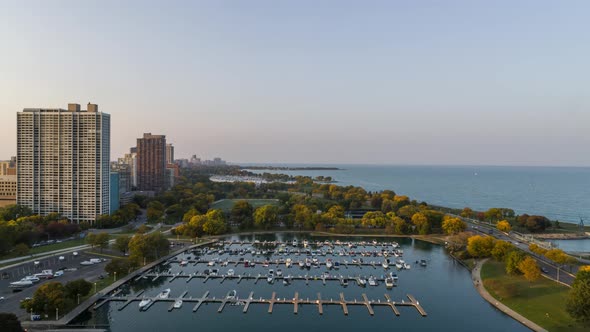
(342, 282)
(295, 301)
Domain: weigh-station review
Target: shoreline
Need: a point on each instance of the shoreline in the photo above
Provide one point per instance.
(478, 284)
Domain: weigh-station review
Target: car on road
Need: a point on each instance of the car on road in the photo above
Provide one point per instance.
(75, 253)
(36, 263)
(544, 270)
(62, 258)
(1, 298)
(58, 273)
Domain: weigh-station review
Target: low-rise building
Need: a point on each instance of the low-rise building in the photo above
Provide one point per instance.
(7, 190)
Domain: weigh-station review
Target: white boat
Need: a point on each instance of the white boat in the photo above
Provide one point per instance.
(211, 263)
(372, 281)
(270, 279)
(164, 294)
(232, 295)
(287, 280)
(279, 272)
(295, 243)
(230, 272)
(21, 284)
(329, 264)
(361, 282)
(305, 243)
(301, 264)
(183, 263)
(389, 283)
(399, 266)
(178, 304)
(407, 266)
(385, 264)
(144, 303)
(288, 263)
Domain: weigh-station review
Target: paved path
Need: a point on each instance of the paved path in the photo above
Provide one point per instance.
(476, 276)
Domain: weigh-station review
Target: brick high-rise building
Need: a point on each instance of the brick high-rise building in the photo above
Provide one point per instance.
(63, 161)
(151, 163)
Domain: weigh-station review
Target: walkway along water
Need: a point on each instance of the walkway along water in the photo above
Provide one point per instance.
(477, 282)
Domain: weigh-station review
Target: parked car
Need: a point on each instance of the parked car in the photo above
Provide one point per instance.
(544, 270)
(75, 253)
(62, 258)
(58, 273)
(36, 263)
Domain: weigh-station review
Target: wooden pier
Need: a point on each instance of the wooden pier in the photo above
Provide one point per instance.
(296, 301)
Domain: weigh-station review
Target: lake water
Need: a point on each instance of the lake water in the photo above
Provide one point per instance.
(443, 288)
(561, 193)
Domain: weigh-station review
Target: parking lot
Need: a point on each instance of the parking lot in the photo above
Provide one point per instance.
(11, 301)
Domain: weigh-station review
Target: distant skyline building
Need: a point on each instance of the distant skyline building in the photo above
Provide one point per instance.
(7, 190)
(169, 153)
(130, 159)
(63, 161)
(8, 167)
(151, 163)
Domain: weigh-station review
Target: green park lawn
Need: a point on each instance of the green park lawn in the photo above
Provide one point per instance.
(542, 301)
(227, 204)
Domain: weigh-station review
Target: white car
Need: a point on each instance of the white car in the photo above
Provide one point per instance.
(58, 274)
(75, 253)
(36, 263)
(62, 258)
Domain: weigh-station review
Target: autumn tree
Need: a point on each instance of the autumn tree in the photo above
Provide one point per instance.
(214, 223)
(503, 226)
(374, 219)
(148, 246)
(102, 240)
(501, 250)
(266, 216)
(452, 225)
(578, 301)
(301, 214)
(421, 222)
(467, 213)
(513, 260)
(480, 246)
(529, 268)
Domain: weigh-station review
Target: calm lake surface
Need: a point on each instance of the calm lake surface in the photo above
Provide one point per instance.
(559, 193)
(443, 288)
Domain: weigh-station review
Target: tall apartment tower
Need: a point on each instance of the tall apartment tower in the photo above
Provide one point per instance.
(63, 161)
(169, 154)
(151, 163)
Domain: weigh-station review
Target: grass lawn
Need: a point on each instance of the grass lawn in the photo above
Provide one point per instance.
(47, 248)
(227, 204)
(542, 301)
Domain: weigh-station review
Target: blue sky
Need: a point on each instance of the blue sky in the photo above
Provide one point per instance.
(390, 82)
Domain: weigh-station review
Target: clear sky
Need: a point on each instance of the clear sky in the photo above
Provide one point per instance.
(371, 82)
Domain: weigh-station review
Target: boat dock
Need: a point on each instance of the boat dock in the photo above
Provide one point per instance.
(258, 277)
(296, 302)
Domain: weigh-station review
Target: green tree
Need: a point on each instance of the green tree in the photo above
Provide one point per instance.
(101, 240)
(374, 219)
(265, 216)
(21, 249)
(9, 323)
(122, 243)
(148, 246)
(214, 227)
(91, 239)
(77, 287)
(241, 213)
(121, 266)
(46, 299)
(578, 301)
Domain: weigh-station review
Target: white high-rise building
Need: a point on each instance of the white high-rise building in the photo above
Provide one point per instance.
(63, 161)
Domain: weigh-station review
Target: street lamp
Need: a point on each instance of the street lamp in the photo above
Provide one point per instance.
(115, 276)
(78, 298)
(56, 313)
(94, 288)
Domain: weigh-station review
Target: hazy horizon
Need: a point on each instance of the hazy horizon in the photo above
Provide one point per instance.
(453, 83)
